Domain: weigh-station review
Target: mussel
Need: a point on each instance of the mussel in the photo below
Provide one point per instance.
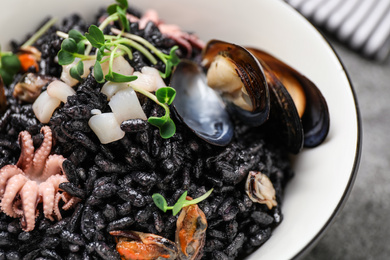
(238, 76)
(308, 99)
(256, 88)
(30, 86)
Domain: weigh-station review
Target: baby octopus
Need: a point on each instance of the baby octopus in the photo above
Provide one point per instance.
(34, 179)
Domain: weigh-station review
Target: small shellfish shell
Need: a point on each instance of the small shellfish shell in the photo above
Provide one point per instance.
(138, 245)
(260, 189)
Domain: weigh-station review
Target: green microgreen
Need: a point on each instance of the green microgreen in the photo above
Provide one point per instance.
(108, 47)
(182, 202)
(9, 66)
(164, 97)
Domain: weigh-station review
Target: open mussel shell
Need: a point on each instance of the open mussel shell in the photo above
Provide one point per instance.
(315, 117)
(251, 76)
(198, 106)
(284, 123)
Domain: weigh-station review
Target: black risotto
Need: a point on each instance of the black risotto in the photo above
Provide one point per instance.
(115, 181)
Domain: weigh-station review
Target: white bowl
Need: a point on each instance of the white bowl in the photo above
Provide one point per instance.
(324, 175)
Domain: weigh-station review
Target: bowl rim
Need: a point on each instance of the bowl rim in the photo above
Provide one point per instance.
(343, 199)
(358, 150)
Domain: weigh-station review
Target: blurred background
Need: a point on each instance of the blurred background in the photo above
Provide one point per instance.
(359, 31)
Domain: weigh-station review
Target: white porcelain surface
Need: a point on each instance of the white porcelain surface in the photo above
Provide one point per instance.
(323, 174)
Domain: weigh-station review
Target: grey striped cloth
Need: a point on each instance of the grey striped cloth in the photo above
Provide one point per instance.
(364, 25)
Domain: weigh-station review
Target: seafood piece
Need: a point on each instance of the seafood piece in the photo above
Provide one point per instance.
(260, 189)
(34, 179)
(30, 86)
(191, 232)
(198, 106)
(284, 118)
(138, 245)
(308, 99)
(49, 100)
(239, 77)
(29, 56)
(125, 105)
(106, 127)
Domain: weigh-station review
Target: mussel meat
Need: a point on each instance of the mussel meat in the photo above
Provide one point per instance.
(30, 86)
(259, 189)
(238, 76)
(191, 232)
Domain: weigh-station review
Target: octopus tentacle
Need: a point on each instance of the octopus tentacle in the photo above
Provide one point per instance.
(42, 152)
(27, 151)
(47, 193)
(6, 173)
(53, 166)
(14, 185)
(70, 201)
(57, 199)
(29, 196)
(17, 207)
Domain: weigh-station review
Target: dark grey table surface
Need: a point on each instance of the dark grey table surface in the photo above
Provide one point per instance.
(361, 230)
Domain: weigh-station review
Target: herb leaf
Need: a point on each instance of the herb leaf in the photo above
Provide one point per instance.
(123, 19)
(166, 95)
(10, 63)
(76, 35)
(95, 36)
(113, 8)
(165, 124)
(65, 58)
(98, 72)
(77, 71)
(160, 201)
(116, 77)
(182, 202)
(69, 45)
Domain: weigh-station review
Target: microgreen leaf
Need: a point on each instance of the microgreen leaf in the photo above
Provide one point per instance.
(95, 36)
(166, 95)
(76, 35)
(171, 60)
(157, 121)
(69, 45)
(165, 124)
(80, 48)
(113, 8)
(160, 201)
(179, 204)
(116, 77)
(197, 200)
(10, 63)
(6, 76)
(123, 19)
(182, 202)
(98, 72)
(99, 55)
(65, 58)
(77, 71)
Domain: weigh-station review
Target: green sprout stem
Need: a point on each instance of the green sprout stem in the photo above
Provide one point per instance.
(133, 44)
(142, 41)
(152, 97)
(40, 32)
